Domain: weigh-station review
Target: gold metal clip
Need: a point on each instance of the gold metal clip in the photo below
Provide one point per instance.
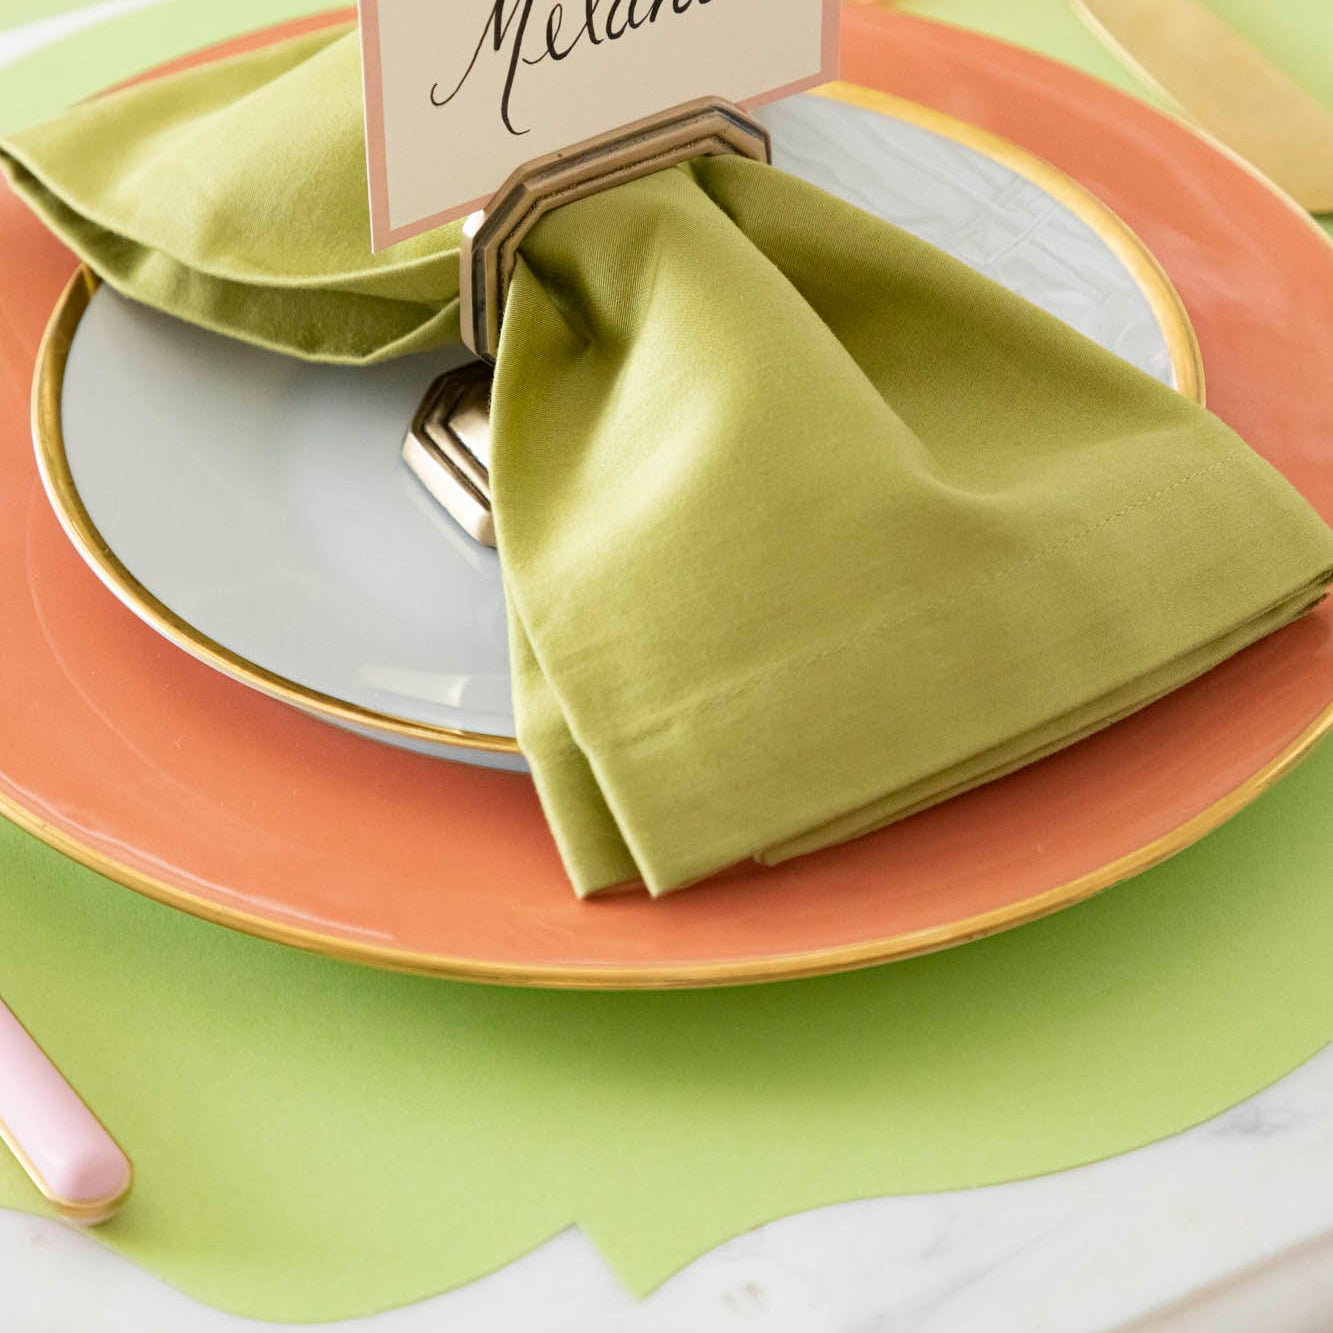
(488, 253)
(448, 447)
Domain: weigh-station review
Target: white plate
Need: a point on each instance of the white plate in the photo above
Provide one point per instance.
(255, 508)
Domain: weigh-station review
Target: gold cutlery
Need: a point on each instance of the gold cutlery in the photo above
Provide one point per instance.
(1222, 84)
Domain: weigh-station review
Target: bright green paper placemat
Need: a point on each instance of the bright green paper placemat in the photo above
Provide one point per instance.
(314, 1140)
(43, 83)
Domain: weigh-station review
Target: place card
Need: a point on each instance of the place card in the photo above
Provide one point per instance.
(458, 93)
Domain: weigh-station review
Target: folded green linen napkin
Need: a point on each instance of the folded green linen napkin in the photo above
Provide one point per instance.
(804, 525)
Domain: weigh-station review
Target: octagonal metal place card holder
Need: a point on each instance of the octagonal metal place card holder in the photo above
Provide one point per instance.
(447, 446)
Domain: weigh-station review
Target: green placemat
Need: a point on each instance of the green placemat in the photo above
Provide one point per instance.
(315, 1140)
(17, 13)
(39, 85)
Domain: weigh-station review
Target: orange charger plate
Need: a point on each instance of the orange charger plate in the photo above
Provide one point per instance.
(125, 753)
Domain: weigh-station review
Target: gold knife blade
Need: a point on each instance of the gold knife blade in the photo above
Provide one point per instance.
(1219, 81)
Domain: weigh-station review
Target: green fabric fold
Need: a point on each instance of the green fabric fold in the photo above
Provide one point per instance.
(804, 525)
(234, 195)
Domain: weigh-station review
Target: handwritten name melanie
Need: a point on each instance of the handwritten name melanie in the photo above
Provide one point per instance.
(506, 30)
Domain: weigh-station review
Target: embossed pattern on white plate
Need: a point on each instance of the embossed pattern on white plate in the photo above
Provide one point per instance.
(975, 209)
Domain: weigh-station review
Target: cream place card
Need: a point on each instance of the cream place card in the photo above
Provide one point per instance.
(460, 92)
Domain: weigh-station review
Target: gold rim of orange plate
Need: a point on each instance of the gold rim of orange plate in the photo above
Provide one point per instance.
(48, 383)
(776, 967)
(773, 967)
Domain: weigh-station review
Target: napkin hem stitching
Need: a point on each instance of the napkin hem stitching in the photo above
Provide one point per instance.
(840, 644)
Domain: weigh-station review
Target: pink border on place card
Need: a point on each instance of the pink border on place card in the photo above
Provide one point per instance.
(383, 235)
(828, 69)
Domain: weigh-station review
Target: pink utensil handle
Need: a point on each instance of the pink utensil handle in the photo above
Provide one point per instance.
(59, 1142)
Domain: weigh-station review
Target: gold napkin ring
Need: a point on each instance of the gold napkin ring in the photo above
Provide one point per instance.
(488, 253)
(448, 447)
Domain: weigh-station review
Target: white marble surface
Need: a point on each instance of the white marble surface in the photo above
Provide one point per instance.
(1234, 1218)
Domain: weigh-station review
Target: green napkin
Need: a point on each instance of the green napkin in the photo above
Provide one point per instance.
(192, 194)
(804, 525)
